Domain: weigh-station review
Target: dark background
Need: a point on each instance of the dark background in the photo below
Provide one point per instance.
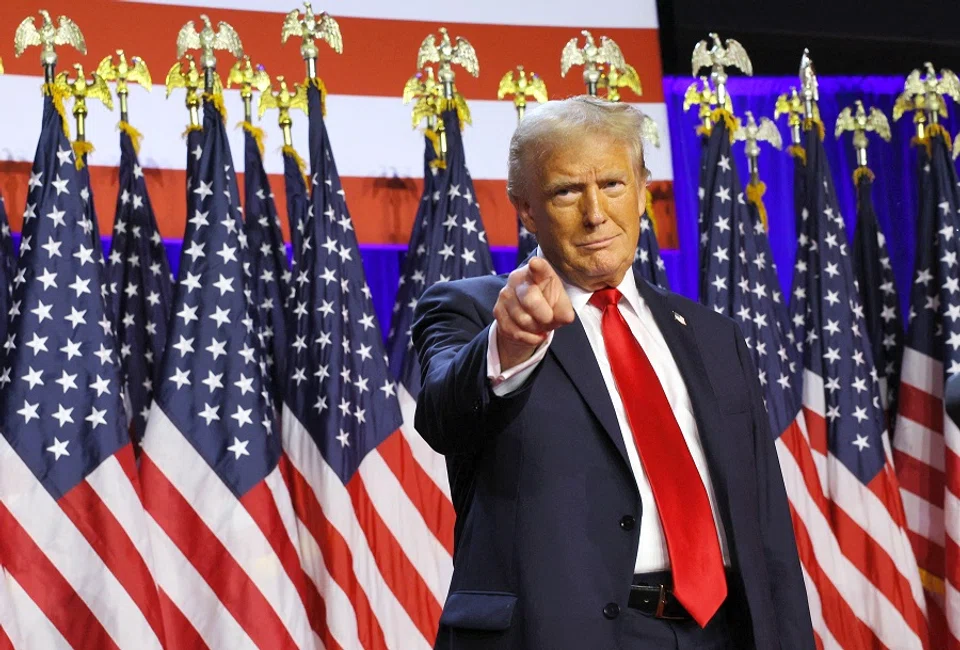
(844, 36)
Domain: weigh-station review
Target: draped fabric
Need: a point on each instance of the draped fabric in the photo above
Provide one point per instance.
(894, 192)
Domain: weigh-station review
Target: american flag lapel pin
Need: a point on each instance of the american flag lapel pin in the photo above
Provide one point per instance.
(680, 319)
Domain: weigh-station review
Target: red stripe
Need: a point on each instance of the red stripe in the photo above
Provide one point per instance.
(436, 508)
(387, 46)
(262, 507)
(5, 642)
(920, 406)
(816, 430)
(918, 478)
(931, 557)
(41, 580)
(865, 553)
(397, 570)
(337, 557)
(844, 625)
(181, 635)
(382, 209)
(940, 636)
(98, 525)
(849, 630)
(204, 550)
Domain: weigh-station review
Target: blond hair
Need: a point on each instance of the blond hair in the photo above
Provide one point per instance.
(564, 119)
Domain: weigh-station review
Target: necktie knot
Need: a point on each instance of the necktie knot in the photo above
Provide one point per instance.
(605, 298)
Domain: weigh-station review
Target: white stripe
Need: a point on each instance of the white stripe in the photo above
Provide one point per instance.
(427, 555)
(871, 514)
(116, 491)
(197, 602)
(281, 499)
(341, 618)
(922, 372)
(866, 602)
(37, 630)
(226, 518)
(381, 120)
(432, 463)
(951, 437)
(556, 13)
(398, 628)
(813, 392)
(816, 614)
(948, 525)
(916, 440)
(953, 609)
(70, 553)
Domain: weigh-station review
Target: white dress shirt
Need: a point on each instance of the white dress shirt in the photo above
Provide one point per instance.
(652, 552)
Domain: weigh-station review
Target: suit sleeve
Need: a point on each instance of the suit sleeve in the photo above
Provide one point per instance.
(457, 410)
(788, 591)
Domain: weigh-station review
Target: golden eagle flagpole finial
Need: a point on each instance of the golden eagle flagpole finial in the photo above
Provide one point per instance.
(809, 89)
(591, 56)
(186, 75)
(47, 37)
(521, 86)
(423, 90)
(309, 29)
(208, 41)
(791, 105)
(859, 121)
(753, 134)
(283, 101)
(718, 57)
(248, 77)
(81, 90)
(445, 53)
(615, 78)
(124, 73)
(704, 98)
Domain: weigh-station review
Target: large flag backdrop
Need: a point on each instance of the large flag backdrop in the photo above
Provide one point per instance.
(379, 155)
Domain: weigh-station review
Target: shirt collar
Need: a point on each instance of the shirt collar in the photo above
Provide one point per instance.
(579, 298)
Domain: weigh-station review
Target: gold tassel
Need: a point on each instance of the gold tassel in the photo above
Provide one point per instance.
(651, 215)
(135, 136)
(932, 583)
(191, 128)
(755, 192)
(860, 173)
(798, 152)
(217, 100)
(704, 131)
(290, 151)
(811, 122)
(319, 85)
(81, 149)
(721, 114)
(937, 129)
(256, 132)
(59, 94)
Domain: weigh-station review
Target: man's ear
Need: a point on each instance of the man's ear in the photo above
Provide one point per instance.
(525, 213)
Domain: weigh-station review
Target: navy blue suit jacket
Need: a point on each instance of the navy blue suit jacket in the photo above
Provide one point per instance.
(541, 481)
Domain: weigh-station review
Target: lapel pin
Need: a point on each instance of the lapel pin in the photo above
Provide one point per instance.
(680, 319)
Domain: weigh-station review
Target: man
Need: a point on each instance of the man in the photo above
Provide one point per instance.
(615, 481)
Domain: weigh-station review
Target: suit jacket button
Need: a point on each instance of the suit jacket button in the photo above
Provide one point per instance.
(611, 610)
(627, 522)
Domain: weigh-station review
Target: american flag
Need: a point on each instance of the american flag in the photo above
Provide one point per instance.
(926, 442)
(845, 424)
(741, 284)
(77, 561)
(8, 268)
(448, 242)
(141, 291)
(220, 517)
(371, 548)
(298, 206)
(878, 294)
(91, 221)
(268, 268)
(526, 242)
(647, 261)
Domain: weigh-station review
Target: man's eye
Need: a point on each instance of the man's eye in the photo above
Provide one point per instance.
(613, 184)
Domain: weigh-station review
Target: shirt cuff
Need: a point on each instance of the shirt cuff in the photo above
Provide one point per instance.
(506, 382)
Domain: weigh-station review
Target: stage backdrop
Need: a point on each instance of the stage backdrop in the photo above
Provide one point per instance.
(379, 155)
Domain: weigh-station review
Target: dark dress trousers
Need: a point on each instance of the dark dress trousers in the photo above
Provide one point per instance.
(548, 512)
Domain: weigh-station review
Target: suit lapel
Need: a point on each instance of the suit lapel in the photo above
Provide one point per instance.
(572, 351)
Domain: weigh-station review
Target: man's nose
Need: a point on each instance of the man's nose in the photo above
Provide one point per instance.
(592, 207)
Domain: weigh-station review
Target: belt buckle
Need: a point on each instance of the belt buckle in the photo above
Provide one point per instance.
(661, 605)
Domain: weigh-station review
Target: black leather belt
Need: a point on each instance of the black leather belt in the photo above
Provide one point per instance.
(652, 595)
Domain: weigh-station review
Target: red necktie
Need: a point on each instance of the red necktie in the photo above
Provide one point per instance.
(699, 580)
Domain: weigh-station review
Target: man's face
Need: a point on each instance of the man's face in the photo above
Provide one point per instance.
(584, 206)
